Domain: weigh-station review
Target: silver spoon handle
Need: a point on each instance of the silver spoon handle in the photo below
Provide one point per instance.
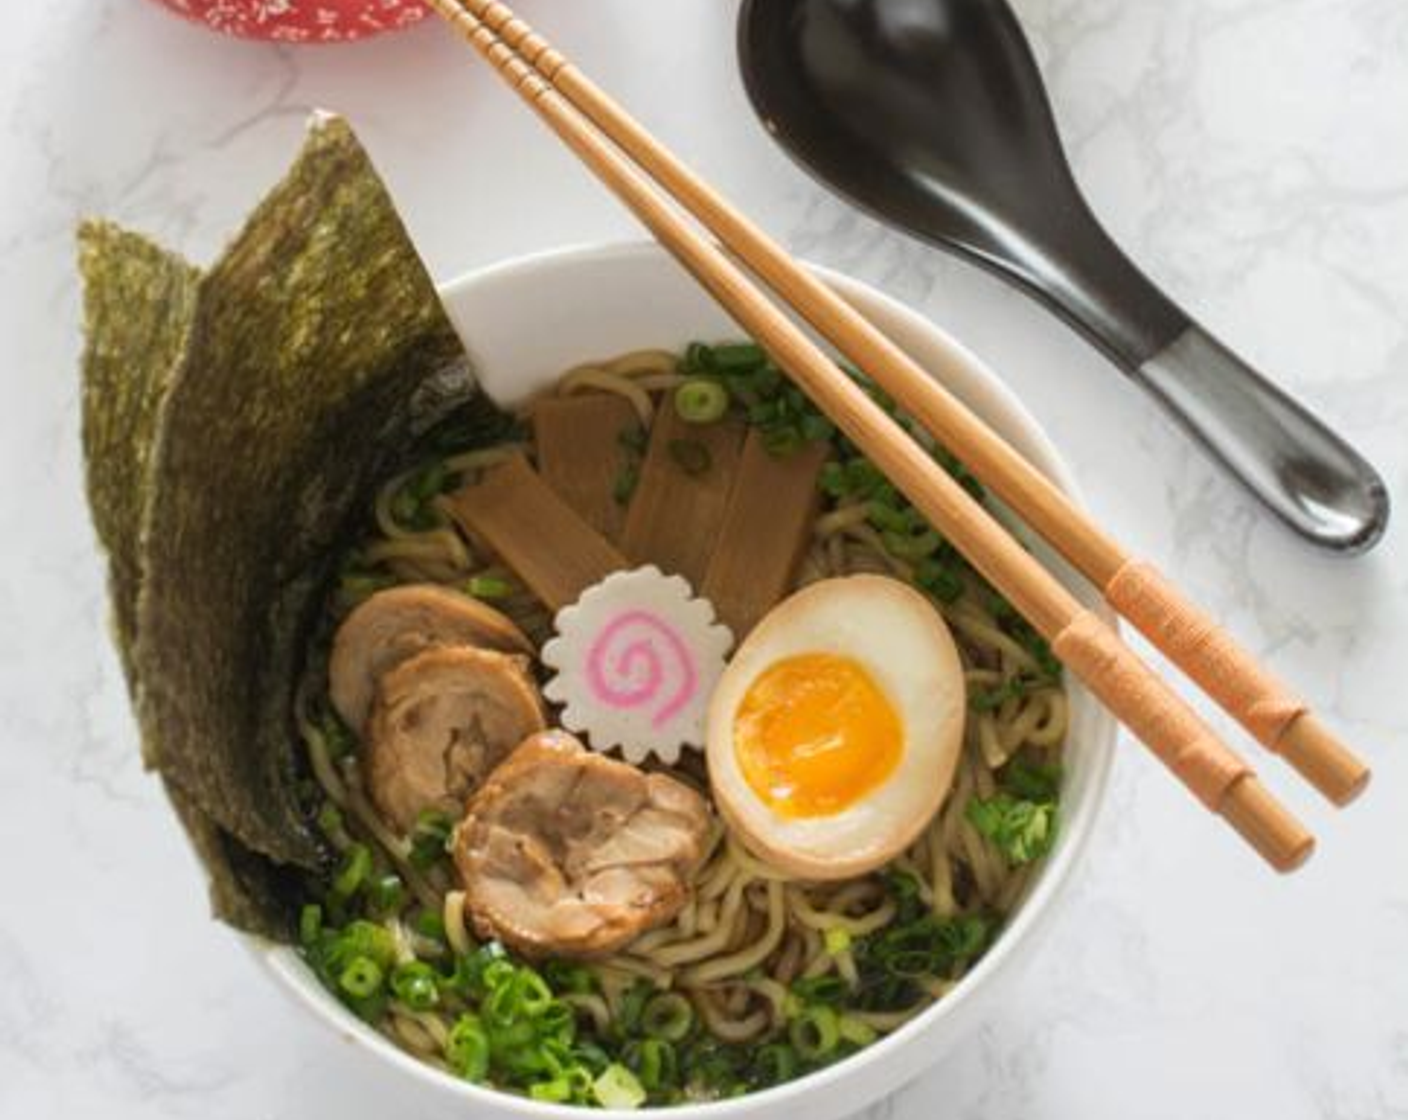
(1305, 473)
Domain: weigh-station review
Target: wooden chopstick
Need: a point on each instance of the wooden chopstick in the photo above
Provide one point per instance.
(1093, 652)
(1204, 651)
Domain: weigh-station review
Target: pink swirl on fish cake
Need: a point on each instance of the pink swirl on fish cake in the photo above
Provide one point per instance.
(627, 670)
(636, 658)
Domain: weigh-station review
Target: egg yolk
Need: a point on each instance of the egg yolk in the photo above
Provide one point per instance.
(814, 734)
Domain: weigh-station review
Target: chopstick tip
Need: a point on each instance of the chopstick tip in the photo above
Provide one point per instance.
(1267, 825)
(1315, 752)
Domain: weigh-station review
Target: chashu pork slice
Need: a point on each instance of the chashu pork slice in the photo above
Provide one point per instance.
(442, 721)
(569, 853)
(399, 623)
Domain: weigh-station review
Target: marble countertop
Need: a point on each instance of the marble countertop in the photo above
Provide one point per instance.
(1250, 154)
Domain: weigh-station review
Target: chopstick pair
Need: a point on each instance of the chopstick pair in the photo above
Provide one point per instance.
(607, 140)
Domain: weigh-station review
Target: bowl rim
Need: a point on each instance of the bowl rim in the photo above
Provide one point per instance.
(1030, 921)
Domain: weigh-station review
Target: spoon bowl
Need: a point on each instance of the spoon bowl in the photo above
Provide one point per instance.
(931, 115)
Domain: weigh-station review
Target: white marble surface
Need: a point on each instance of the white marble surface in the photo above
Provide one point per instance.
(1251, 153)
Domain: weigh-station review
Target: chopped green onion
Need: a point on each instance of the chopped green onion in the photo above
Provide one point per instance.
(430, 481)
(500, 1005)
(337, 737)
(361, 978)
(356, 866)
(496, 970)
(467, 1048)
(412, 505)
(768, 379)
(701, 401)
(911, 964)
(557, 1021)
(736, 357)
(386, 894)
(939, 579)
(713, 1069)
(334, 950)
(430, 924)
(535, 996)
(764, 413)
(591, 1055)
(489, 587)
(817, 428)
(580, 1077)
(331, 825)
(864, 479)
(924, 946)
(471, 427)
(855, 1031)
(557, 1091)
(1021, 830)
(310, 923)
(569, 976)
(510, 1042)
(668, 1016)
(917, 546)
(814, 1032)
(743, 387)
(625, 485)
(1025, 635)
(654, 1062)
(414, 984)
(836, 940)
(618, 1087)
(887, 518)
(690, 456)
(633, 437)
(961, 474)
(371, 940)
(990, 699)
(406, 508)
(514, 993)
(1033, 781)
(903, 887)
(784, 441)
(633, 1001)
(774, 1063)
(698, 358)
(429, 837)
(828, 988)
(356, 586)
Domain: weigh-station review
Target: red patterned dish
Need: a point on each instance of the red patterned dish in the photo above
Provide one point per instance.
(301, 21)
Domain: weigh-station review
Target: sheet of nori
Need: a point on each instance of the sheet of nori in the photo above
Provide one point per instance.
(314, 356)
(248, 891)
(139, 301)
(308, 361)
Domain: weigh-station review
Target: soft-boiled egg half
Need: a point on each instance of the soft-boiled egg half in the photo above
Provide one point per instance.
(834, 733)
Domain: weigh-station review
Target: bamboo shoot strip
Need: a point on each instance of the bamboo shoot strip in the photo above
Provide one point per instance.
(582, 456)
(765, 532)
(548, 546)
(679, 503)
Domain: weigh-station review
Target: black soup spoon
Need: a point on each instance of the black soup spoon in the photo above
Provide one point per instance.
(931, 114)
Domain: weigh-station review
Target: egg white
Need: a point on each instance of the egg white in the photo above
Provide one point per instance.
(898, 636)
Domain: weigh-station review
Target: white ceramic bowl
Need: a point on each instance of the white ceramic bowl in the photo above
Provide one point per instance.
(526, 321)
